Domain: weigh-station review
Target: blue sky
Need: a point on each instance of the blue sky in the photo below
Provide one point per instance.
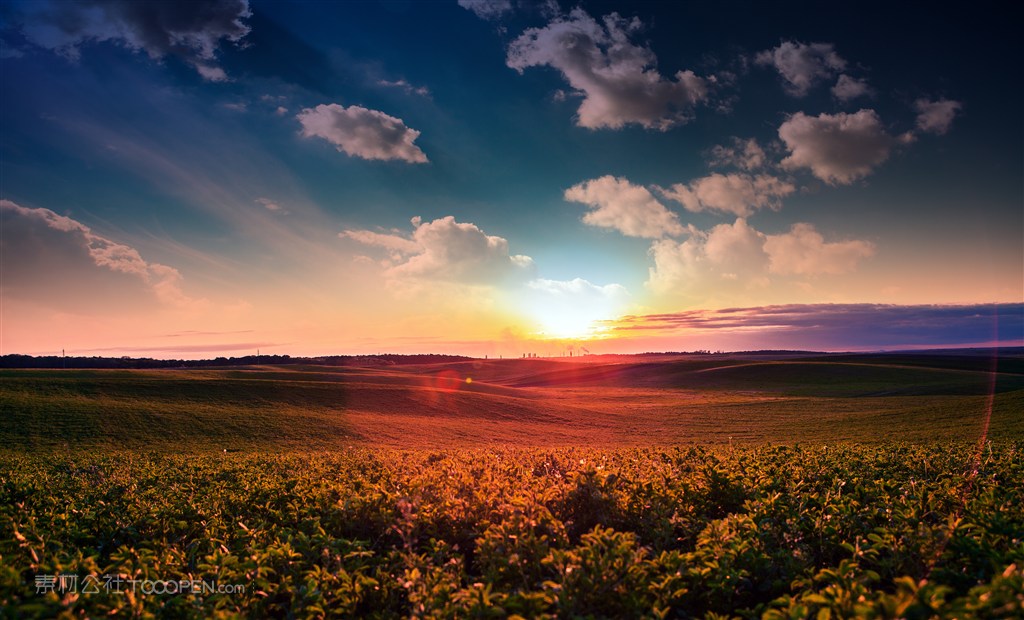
(591, 158)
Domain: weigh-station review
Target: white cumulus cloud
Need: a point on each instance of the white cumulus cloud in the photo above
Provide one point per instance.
(836, 148)
(738, 194)
(727, 252)
(630, 209)
(618, 79)
(739, 254)
(446, 250)
(360, 132)
(804, 251)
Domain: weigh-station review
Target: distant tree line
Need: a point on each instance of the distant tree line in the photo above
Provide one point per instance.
(57, 361)
(710, 352)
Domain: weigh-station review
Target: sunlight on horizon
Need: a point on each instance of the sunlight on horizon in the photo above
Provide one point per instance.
(570, 316)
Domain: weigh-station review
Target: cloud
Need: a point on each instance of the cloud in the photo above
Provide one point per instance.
(744, 154)
(738, 194)
(212, 73)
(848, 88)
(738, 252)
(446, 250)
(272, 206)
(393, 242)
(726, 252)
(359, 132)
(622, 206)
(487, 9)
(804, 251)
(618, 79)
(836, 148)
(216, 347)
(191, 31)
(495, 10)
(578, 287)
(801, 65)
(406, 87)
(735, 248)
(63, 246)
(846, 326)
(936, 116)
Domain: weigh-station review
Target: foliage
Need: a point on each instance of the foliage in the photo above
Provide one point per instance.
(776, 532)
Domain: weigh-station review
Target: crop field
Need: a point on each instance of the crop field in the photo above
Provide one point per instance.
(665, 488)
(530, 403)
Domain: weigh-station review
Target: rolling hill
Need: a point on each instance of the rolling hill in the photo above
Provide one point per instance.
(606, 401)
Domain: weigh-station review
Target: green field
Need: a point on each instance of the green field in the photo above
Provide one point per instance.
(672, 488)
(513, 402)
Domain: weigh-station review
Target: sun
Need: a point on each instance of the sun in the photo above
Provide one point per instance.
(569, 325)
(570, 316)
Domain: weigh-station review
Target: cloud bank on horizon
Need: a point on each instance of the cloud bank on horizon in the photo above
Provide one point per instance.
(852, 327)
(577, 166)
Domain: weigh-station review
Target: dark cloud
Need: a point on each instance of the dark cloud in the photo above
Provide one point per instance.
(802, 65)
(837, 148)
(617, 78)
(936, 116)
(849, 326)
(192, 31)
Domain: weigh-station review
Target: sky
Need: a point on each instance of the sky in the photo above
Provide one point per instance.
(190, 180)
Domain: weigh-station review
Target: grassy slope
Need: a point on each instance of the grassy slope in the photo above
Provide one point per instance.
(524, 402)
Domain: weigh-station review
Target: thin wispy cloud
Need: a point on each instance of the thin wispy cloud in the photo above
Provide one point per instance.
(406, 87)
(937, 116)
